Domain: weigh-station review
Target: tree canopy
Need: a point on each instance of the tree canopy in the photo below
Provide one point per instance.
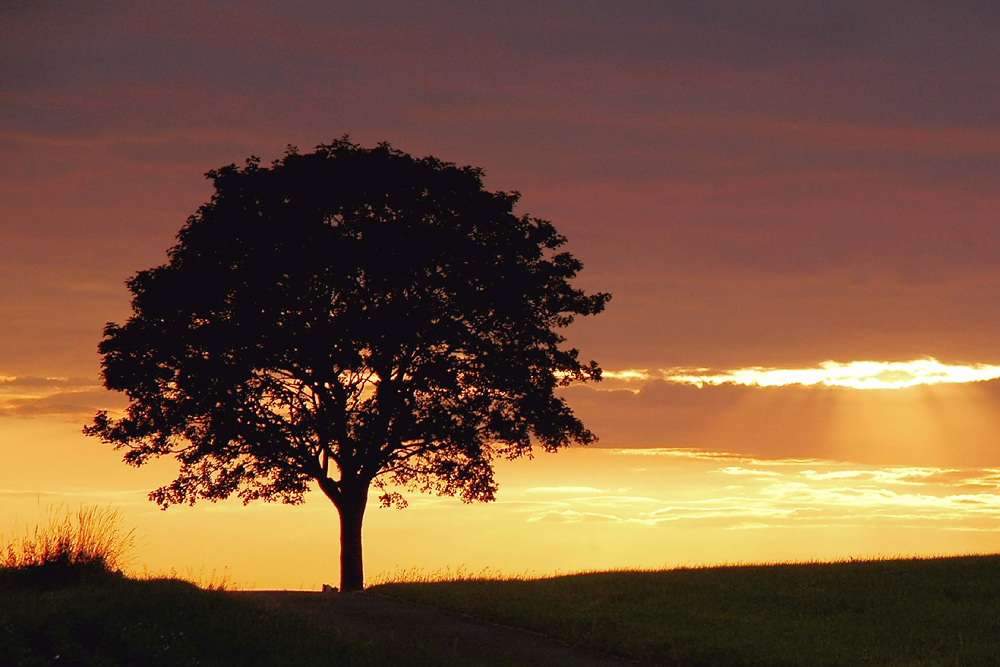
(355, 317)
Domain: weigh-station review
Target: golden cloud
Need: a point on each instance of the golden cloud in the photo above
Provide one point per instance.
(853, 374)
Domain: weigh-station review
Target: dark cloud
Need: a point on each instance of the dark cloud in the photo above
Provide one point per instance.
(765, 183)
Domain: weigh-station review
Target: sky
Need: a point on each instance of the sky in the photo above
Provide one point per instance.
(773, 193)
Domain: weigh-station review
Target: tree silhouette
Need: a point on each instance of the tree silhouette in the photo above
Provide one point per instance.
(353, 316)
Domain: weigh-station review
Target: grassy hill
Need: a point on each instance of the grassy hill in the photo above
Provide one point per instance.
(119, 622)
(899, 612)
(942, 611)
(63, 601)
(124, 622)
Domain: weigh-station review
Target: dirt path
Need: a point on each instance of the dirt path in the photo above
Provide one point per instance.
(479, 643)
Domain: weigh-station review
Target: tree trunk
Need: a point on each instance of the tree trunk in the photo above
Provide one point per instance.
(352, 511)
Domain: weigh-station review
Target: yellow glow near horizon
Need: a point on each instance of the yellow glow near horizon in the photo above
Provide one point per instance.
(583, 509)
(854, 374)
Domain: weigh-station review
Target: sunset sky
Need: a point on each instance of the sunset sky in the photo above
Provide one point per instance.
(773, 193)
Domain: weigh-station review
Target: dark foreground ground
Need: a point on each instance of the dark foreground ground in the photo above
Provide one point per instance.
(436, 636)
(900, 612)
(116, 622)
(943, 611)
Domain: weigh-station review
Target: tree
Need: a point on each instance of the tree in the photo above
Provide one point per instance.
(355, 317)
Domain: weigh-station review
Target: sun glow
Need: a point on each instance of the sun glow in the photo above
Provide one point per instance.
(626, 375)
(855, 374)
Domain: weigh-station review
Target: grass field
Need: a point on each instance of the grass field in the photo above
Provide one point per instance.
(902, 612)
(119, 622)
(889, 612)
(144, 623)
(64, 602)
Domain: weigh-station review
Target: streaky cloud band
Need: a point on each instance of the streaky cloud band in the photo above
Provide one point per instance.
(854, 374)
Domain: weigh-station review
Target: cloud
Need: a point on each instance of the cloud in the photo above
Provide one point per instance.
(672, 487)
(776, 179)
(722, 508)
(853, 374)
(63, 398)
(894, 494)
(12, 381)
(572, 516)
(627, 375)
(751, 472)
(910, 476)
(117, 496)
(564, 489)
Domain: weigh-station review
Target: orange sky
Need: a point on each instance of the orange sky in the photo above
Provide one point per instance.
(766, 188)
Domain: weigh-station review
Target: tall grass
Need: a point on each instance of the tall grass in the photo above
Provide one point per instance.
(68, 546)
(419, 575)
(206, 581)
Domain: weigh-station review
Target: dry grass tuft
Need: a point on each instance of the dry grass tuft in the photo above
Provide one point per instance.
(210, 581)
(68, 545)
